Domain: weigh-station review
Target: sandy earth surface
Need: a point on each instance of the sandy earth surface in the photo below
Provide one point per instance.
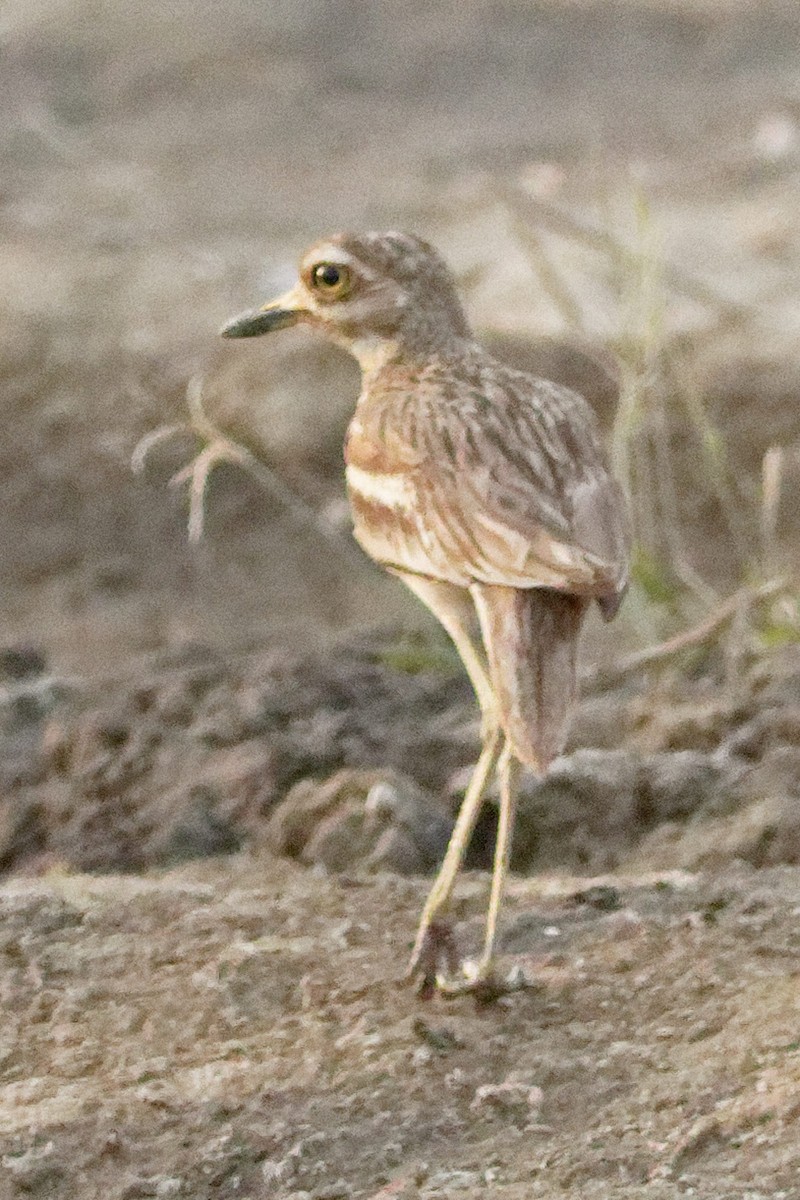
(225, 769)
(217, 1033)
(239, 1026)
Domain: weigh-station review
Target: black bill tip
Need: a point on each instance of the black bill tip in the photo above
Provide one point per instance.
(258, 321)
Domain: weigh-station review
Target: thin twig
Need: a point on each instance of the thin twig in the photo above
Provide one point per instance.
(533, 208)
(717, 472)
(550, 278)
(742, 600)
(141, 451)
(217, 449)
(772, 472)
(734, 644)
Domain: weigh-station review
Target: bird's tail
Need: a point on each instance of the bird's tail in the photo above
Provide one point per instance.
(531, 638)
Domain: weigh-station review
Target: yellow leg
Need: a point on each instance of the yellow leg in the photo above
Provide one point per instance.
(454, 609)
(508, 771)
(434, 948)
(442, 889)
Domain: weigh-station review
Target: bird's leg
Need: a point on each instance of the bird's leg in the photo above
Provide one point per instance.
(478, 978)
(453, 607)
(477, 669)
(432, 943)
(434, 958)
(508, 770)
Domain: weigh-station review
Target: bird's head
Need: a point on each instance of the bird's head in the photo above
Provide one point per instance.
(373, 293)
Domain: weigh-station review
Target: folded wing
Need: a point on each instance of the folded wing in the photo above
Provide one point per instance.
(503, 482)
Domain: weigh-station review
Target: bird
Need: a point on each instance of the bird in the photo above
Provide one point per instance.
(487, 491)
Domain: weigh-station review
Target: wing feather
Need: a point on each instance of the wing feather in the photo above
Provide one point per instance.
(506, 483)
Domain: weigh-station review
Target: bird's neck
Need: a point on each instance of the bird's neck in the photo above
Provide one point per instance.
(374, 353)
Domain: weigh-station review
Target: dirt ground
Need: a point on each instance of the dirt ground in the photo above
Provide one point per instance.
(226, 770)
(241, 1030)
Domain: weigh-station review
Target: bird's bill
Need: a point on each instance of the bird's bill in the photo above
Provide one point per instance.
(278, 314)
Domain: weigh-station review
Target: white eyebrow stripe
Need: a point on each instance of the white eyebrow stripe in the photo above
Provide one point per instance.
(390, 491)
(329, 252)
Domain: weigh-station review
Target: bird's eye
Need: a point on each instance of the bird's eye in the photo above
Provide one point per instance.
(330, 279)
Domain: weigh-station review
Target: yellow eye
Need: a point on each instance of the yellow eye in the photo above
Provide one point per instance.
(330, 279)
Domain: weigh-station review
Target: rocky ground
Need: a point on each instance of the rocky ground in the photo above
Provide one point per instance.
(227, 770)
(240, 1026)
(241, 1029)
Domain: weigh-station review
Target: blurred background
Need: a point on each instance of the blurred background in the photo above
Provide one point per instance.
(615, 185)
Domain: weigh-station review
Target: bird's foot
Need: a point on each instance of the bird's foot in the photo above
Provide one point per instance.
(435, 956)
(436, 967)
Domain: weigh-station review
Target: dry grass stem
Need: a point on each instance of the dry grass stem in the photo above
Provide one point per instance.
(716, 467)
(532, 210)
(218, 449)
(659, 402)
(550, 278)
(737, 606)
(772, 473)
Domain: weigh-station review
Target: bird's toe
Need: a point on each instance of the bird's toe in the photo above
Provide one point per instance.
(435, 957)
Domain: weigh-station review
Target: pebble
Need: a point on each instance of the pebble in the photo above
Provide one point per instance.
(513, 1095)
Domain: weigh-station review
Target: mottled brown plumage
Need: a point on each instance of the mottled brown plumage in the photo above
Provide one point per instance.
(484, 489)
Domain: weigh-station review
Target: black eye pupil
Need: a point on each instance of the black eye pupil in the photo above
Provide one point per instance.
(327, 274)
